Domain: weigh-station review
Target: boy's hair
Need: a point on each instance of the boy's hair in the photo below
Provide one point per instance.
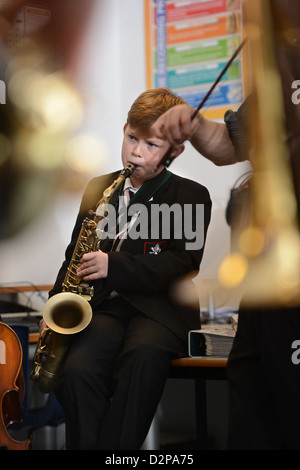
(148, 106)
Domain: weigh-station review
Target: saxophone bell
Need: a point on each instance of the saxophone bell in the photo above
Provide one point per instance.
(65, 315)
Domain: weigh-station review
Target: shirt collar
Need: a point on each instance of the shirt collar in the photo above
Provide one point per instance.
(128, 185)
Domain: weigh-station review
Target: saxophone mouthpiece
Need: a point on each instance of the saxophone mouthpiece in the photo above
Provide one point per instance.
(128, 170)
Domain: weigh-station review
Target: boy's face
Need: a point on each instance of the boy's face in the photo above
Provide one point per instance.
(145, 153)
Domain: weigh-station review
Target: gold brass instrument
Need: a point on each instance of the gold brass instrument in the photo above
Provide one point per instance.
(69, 312)
(264, 269)
(267, 264)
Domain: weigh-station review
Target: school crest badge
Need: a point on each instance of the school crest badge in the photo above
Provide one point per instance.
(154, 248)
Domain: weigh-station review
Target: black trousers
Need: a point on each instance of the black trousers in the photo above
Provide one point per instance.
(264, 380)
(113, 378)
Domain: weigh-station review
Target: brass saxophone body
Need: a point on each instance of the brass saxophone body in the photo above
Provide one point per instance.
(69, 312)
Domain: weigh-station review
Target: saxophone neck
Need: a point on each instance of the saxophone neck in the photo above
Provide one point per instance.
(108, 192)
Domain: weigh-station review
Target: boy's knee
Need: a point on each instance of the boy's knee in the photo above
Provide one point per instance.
(150, 355)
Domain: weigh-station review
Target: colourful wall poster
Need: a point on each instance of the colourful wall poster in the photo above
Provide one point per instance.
(29, 20)
(35, 17)
(188, 44)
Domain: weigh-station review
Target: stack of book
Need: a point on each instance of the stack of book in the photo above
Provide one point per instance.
(211, 340)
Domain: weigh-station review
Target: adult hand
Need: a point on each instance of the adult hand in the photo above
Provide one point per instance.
(176, 125)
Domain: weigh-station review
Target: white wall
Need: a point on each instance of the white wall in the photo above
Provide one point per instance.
(111, 75)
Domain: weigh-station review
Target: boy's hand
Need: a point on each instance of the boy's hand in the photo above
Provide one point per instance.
(176, 125)
(94, 265)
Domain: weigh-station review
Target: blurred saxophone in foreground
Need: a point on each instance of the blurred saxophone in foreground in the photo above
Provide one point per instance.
(263, 268)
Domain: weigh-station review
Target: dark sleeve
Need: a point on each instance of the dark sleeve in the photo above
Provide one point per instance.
(144, 273)
(90, 198)
(237, 123)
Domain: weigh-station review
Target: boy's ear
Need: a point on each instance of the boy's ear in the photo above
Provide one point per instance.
(124, 127)
(178, 151)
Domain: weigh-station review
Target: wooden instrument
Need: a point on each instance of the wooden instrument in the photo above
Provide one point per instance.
(12, 387)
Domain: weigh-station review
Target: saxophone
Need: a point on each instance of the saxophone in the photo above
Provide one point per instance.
(69, 312)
